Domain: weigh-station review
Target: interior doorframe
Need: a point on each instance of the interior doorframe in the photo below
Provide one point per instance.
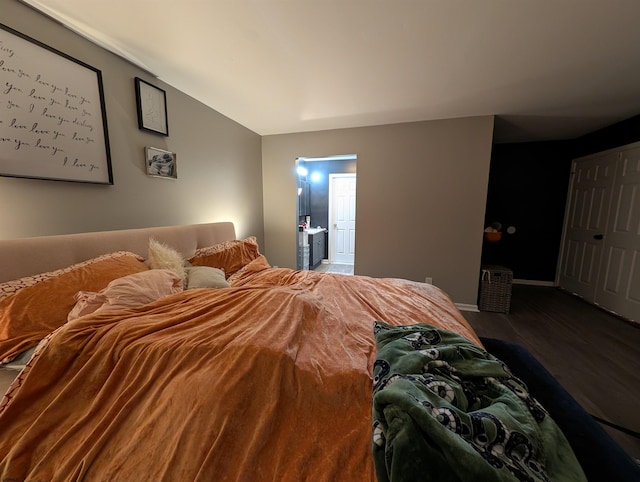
(303, 160)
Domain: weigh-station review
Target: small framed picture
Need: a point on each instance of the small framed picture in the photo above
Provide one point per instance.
(152, 108)
(161, 163)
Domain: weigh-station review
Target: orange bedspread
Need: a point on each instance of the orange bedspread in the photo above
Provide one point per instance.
(267, 380)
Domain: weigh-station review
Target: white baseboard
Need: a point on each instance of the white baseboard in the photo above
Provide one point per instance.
(533, 282)
(467, 307)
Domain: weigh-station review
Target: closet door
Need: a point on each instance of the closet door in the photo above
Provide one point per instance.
(618, 287)
(588, 207)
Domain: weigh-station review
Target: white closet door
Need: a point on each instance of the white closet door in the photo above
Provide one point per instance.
(618, 286)
(589, 200)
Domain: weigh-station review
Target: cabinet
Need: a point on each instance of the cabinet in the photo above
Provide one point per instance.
(316, 248)
(303, 199)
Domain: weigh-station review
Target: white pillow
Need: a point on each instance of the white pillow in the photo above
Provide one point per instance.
(205, 277)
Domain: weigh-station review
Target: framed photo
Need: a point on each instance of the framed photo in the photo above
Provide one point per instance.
(161, 163)
(152, 108)
(53, 124)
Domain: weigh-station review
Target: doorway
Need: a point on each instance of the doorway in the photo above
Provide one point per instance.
(316, 211)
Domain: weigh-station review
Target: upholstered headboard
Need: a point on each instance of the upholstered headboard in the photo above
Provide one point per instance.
(30, 256)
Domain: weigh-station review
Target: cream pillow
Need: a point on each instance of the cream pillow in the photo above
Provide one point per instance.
(162, 256)
(205, 277)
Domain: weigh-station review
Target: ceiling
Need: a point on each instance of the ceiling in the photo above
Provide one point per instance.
(547, 69)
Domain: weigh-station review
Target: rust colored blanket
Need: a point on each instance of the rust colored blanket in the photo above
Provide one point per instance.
(267, 380)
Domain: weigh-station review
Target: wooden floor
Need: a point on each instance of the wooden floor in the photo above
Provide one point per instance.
(593, 354)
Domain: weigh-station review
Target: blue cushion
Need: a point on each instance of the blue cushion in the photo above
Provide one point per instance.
(596, 451)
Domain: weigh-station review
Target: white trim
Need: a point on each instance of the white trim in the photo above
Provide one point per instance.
(467, 307)
(533, 282)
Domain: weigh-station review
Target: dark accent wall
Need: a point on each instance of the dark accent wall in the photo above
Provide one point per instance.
(616, 135)
(527, 189)
(528, 185)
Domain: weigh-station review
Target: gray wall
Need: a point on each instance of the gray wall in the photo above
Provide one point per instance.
(421, 197)
(219, 161)
(421, 186)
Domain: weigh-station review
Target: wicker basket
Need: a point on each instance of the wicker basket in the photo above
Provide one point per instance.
(495, 289)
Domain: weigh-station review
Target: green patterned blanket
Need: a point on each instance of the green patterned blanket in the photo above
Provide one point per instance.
(446, 410)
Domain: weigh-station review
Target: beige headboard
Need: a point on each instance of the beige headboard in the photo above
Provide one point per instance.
(29, 256)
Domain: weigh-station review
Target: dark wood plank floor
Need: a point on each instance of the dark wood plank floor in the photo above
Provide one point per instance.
(593, 354)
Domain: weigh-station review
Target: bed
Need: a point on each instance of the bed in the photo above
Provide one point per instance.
(179, 353)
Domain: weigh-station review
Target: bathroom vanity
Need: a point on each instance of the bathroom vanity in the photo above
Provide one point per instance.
(316, 246)
(311, 248)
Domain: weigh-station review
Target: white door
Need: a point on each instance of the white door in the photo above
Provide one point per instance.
(342, 218)
(589, 199)
(618, 287)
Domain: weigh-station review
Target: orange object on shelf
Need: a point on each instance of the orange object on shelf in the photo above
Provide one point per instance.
(493, 236)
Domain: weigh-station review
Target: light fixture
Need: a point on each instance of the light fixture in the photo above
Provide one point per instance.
(343, 157)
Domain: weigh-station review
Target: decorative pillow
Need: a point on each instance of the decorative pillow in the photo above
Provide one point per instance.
(258, 264)
(34, 306)
(129, 291)
(229, 256)
(162, 256)
(86, 302)
(205, 277)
